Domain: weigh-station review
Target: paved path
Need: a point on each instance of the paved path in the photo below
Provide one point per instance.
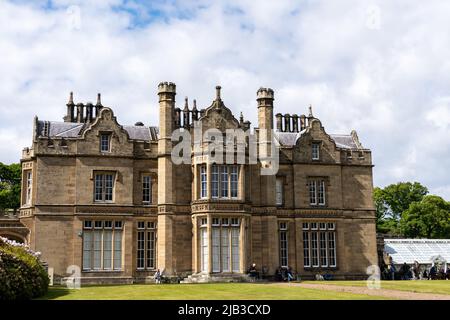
(393, 294)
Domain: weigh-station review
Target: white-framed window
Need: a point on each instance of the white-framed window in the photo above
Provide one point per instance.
(146, 189)
(315, 151)
(319, 244)
(203, 182)
(29, 186)
(104, 187)
(224, 181)
(102, 245)
(146, 245)
(279, 192)
(105, 142)
(283, 238)
(225, 244)
(317, 192)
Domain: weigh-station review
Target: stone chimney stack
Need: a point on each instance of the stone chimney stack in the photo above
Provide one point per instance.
(295, 123)
(80, 112)
(166, 178)
(70, 109)
(89, 112)
(279, 119)
(98, 105)
(302, 122)
(194, 111)
(287, 122)
(186, 113)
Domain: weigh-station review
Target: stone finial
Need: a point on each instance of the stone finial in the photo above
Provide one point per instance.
(310, 115)
(241, 119)
(186, 104)
(99, 99)
(70, 99)
(195, 105)
(218, 92)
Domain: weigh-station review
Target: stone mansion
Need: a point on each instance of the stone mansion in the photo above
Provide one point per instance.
(108, 198)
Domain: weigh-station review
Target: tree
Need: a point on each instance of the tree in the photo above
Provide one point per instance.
(429, 218)
(392, 201)
(10, 177)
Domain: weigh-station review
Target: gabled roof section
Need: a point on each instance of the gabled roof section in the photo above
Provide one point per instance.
(55, 129)
(343, 141)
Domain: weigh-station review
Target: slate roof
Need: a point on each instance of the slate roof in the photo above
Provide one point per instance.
(57, 129)
(288, 139)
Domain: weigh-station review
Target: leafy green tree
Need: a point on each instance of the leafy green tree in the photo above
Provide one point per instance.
(429, 218)
(10, 177)
(392, 201)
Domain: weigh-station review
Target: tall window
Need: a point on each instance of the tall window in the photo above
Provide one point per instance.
(204, 256)
(319, 244)
(203, 182)
(234, 181)
(29, 186)
(105, 142)
(225, 234)
(102, 245)
(283, 232)
(315, 151)
(146, 189)
(279, 192)
(104, 187)
(316, 192)
(215, 181)
(146, 245)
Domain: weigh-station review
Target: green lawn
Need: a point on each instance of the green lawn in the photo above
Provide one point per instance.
(425, 286)
(210, 291)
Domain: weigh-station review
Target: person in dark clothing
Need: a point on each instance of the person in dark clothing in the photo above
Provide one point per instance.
(432, 273)
(253, 273)
(392, 270)
(405, 271)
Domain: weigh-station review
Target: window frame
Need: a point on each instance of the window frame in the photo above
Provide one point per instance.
(315, 151)
(104, 187)
(147, 190)
(108, 135)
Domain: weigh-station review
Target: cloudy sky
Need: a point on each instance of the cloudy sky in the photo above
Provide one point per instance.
(379, 67)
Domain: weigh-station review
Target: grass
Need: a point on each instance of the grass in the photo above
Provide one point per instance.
(422, 286)
(210, 291)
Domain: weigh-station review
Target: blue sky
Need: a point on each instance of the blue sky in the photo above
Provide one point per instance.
(379, 67)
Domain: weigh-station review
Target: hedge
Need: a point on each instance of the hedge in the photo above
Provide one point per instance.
(22, 275)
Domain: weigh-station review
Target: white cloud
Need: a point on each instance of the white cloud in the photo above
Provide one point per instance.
(382, 68)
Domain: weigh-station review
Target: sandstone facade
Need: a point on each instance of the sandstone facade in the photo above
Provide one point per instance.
(108, 198)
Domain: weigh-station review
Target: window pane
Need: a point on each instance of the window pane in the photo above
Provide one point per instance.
(283, 248)
(204, 249)
(224, 182)
(109, 185)
(321, 192)
(107, 249)
(314, 249)
(332, 248)
(98, 187)
(225, 248)
(146, 189)
(215, 181)
(279, 191)
(117, 249)
(235, 249)
(315, 151)
(203, 178)
(151, 249)
(215, 249)
(140, 249)
(97, 249)
(87, 250)
(323, 249)
(234, 181)
(104, 142)
(306, 250)
(312, 193)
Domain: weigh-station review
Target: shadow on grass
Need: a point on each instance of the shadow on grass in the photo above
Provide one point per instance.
(54, 293)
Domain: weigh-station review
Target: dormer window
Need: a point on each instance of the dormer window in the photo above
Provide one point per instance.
(105, 142)
(315, 151)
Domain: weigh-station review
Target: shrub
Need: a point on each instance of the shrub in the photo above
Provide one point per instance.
(22, 275)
